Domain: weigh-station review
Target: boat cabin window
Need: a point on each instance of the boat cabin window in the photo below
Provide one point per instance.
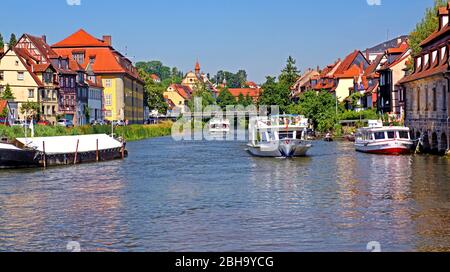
(391, 134)
(285, 135)
(299, 135)
(265, 136)
(379, 135)
(403, 135)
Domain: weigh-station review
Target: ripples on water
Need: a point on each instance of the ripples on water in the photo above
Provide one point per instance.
(213, 196)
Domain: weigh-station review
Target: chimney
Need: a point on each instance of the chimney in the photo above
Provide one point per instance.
(44, 38)
(367, 54)
(399, 41)
(107, 39)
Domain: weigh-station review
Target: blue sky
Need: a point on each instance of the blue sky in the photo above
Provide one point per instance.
(255, 35)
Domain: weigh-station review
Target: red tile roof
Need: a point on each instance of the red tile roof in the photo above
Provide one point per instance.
(184, 91)
(155, 77)
(441, 68)
(42, 46)
(347, 63)
(28, 62)
(3, 104)
(352, 72)
(80, 39)
(402, 48)
(436, 35)
(107, 60)
(252, 92)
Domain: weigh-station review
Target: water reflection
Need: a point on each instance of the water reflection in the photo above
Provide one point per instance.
(212, 196)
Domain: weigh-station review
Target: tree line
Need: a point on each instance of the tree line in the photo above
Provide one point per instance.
(12, 41)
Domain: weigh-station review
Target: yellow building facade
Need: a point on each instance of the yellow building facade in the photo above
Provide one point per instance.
(24, 85)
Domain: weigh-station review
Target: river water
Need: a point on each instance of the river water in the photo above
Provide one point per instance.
(213, 196)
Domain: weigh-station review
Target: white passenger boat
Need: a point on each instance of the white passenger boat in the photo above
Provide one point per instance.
(278, 136)
(219, 126)
(64, 150)
(378, 139)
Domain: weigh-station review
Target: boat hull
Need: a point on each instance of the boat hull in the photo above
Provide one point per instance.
(385, 149)
(280, 149)
(10, 159)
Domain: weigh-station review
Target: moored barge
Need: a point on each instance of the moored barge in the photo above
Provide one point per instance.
(64, 150)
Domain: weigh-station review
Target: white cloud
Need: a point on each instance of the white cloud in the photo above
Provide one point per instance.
(374, 2)
(78, 2)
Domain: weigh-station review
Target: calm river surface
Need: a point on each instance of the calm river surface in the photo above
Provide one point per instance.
(213, 196)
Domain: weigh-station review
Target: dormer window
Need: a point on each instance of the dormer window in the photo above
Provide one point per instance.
(78, 57)
(443, 52)
(426, 58)
(444, 21)
(418, 63)
(434, 56)
(91, 60)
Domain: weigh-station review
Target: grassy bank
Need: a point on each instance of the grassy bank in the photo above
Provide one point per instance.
(130, 133)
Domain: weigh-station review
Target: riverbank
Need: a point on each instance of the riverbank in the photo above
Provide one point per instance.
(129, 133)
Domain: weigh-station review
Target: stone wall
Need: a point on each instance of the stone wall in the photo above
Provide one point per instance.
(427, 112)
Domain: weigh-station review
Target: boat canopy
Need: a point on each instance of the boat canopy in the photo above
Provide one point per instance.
(68, 144)
(378, 129)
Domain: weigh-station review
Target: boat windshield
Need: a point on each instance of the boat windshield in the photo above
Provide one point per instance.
(403, 134)
(391, 134)
(379, 135)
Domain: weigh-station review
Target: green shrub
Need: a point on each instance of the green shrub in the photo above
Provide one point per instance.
(130, 133)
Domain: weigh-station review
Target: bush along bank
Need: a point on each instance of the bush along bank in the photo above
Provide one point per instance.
(129, 133)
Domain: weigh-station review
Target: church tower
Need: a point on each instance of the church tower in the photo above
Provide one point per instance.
(197, 68)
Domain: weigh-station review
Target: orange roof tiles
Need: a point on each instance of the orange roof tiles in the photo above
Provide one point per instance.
(80, 39)
(400, 49)
(107, 60)
(252, 92)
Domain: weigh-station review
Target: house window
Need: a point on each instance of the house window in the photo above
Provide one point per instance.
(108, 83)
(418, 99)
(20, 76)
(30, 93)
(426, 99)
(2, 89)
(17, 63)
(108, 100)
(2, 75)
(434, 100)
(78, 57)
(444, 100)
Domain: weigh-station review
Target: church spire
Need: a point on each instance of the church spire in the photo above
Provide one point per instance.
(197, 68)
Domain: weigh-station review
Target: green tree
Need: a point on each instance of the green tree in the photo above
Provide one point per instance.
(4, 113)
(201, 91)
(87, 113)
(12, 40)
(156, 67)
(275, 94)
(30, 109)
(248, 100)
(320, 108)
(153, 93)
(241, 99)
(7, 93)
(225, 99)
(237, 80)
(2, 42)
(426, 26)
(290, 73)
